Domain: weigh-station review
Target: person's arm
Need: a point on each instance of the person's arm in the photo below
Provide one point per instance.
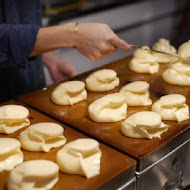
(93, 40)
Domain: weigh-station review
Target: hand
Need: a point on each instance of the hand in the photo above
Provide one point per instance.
(58, 68)
(96, 40)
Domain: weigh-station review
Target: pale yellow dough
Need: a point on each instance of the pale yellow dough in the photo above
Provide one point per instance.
(136, 93)
(145, 124)
(42, 137)
(102, 80)
(34, 175)
(10, 154)
(109, 108)
(177, 74)
(143, 61)
(69, 93)
(81, 156)
(13, 118)
(184, 50)
(172, 107)
(163, 45)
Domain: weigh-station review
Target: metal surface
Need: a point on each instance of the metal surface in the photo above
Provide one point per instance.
(113, 163)
(120, 182)
(165, 150)
(170, 173)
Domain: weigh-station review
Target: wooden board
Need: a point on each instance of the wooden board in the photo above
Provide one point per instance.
(77, 115)
(112, 162)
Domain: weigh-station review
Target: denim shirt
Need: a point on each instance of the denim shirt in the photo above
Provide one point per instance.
(19, 24)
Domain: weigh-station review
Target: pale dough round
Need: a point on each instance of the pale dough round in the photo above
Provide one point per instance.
(10, 153)
(109, 108)
(136, 93)
(81, 156)
(145, 124)
(102, 80)
(13, 118)
(184, 50)
(69, 93)
(42, 137)
(172, 107)
(34, 175)
(163, 45)
(143, 61)
(16, 112)
(177, 74)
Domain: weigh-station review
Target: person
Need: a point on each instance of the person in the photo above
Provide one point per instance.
(21, 70)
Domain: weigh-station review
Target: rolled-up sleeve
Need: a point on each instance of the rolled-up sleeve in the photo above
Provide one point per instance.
(16, 43)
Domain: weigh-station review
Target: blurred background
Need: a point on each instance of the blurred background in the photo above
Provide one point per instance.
(139, 22)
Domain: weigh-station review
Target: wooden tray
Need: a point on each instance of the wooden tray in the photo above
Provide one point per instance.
(77, 115)
(113, 163)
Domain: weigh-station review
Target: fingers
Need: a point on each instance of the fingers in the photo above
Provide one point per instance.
(106, 49)
(119, 43)
(110, 48)
(100, 41)
(96, 56)
(112, 45)
(102, 51)
(66, 69)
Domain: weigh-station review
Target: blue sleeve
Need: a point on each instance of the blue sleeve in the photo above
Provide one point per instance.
(16, 43)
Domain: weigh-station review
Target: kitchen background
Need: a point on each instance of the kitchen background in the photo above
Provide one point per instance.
(139, 22)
